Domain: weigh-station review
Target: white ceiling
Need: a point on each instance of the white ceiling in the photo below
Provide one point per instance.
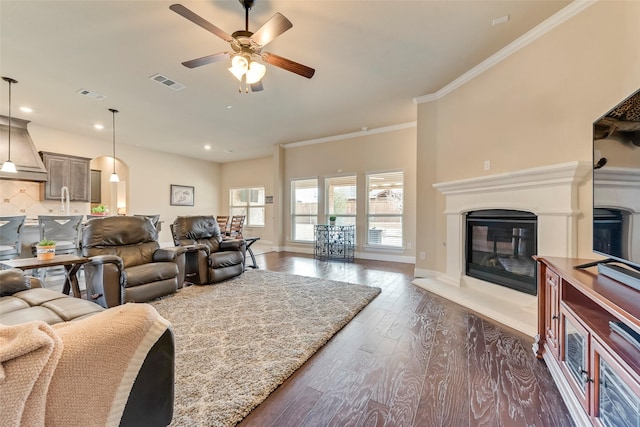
(371, 59)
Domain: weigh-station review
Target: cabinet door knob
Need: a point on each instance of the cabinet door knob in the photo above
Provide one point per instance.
(554, 317)
(585, 376)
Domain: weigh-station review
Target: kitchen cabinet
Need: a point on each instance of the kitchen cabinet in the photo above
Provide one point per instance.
(593, 351)
(64, 170)
(96, 186)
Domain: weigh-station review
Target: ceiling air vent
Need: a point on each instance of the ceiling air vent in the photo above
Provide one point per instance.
(166, 81)
(91, 94)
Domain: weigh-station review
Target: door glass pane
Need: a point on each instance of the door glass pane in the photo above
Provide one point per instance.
(305, 197)
(341, 195)
(618, 405)
(384, 208)
(575, 352)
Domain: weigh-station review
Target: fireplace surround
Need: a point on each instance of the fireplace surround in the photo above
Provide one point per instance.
(548, 192)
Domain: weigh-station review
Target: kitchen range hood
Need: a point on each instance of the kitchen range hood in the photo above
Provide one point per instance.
(23, 151)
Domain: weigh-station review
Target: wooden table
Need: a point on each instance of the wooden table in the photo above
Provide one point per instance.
(71, 264)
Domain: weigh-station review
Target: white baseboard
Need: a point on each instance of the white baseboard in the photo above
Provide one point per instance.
(358, 255)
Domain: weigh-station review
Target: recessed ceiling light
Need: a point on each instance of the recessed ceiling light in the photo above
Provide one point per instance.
(98, 126)
(229, 107)
(500, 20)
(207, 147)
(26, 110)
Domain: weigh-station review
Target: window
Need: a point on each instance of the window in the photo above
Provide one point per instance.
(384, 209)
(248, 202)
(341, 199)
(304, 209)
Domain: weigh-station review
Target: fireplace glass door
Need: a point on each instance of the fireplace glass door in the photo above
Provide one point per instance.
(500, 246)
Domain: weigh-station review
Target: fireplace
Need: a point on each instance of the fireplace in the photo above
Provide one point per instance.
(548, 192)
(500, 244)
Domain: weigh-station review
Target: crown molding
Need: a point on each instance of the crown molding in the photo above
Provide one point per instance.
(536, 32)
(384, 129)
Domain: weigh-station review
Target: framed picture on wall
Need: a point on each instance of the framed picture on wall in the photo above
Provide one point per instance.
(182, 195)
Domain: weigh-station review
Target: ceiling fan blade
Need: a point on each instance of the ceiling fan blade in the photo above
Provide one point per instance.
(271, 29)
(198, 20)
(257, 87)
(288, 65)
(209, 59)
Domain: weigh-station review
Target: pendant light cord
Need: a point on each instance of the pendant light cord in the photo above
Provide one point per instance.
(10, 81)
(9, 138)
(114, 111)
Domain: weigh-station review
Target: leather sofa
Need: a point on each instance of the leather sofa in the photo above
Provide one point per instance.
(209, 258)
(126, 261)
(148, 398)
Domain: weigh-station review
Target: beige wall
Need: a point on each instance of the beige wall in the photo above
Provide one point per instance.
(535, 108)
(150, 174)
(250, 173)
(375, 152)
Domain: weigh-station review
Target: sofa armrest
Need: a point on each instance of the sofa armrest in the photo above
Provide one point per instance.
(15, 280)
(119, 349)
(151, 398)
(105, 280)
(232, 245)
(196, 247)
(105, 259)
(168, 254)
(173, 254)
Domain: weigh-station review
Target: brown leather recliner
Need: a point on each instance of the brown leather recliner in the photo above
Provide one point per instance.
(127, 263)
(209, 257)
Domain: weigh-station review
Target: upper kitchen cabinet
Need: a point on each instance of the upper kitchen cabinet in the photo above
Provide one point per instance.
(68, 171)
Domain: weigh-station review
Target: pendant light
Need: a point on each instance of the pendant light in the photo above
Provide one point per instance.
(114, 176)
(9, 166)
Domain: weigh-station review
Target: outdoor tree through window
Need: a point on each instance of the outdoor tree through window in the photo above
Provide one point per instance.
(341, 199)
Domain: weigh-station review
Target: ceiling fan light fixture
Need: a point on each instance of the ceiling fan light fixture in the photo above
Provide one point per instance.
(255, 73)
(243, 67)
(239, 66)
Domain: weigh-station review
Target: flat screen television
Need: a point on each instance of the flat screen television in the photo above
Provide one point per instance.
(616, 184)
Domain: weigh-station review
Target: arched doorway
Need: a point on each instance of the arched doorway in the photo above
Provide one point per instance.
(113, 195)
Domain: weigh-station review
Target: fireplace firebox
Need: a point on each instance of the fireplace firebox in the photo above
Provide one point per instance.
(610, 231)
(500, 244)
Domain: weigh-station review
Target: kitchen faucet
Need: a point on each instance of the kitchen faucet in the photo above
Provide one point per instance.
(65, 206)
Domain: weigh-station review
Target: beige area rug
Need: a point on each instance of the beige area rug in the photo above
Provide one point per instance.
(238, 340)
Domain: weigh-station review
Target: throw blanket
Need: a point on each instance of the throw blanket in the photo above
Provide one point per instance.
(29, 353)
(90, 380)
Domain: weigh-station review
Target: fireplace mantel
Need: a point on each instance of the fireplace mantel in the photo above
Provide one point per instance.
(549, 192)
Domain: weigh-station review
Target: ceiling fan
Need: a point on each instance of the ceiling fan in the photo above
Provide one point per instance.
(246, 47)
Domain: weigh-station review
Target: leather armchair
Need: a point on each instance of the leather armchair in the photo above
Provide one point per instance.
(126, 261)
(209, 257)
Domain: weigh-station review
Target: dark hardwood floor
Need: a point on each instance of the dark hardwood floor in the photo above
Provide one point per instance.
(410, 358)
